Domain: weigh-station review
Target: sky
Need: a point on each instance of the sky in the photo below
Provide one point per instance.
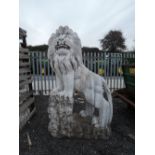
(91, 19)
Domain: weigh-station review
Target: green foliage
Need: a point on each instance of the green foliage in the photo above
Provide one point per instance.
(113, 42)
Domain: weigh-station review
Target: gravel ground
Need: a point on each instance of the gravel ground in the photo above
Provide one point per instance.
(121, 142)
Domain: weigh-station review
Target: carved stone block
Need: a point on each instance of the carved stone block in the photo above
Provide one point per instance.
(66, 123)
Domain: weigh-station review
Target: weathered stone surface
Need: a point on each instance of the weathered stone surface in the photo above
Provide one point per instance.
(65, 57)
(66, 123)
(72, 75)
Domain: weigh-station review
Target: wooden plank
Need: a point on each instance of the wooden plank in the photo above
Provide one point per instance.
(24, 64)
(25, 82)
(24, 70)
(26, 104)
(23, 56)
(24, 77)
(23, 50)
(24, 96)
(22, 124)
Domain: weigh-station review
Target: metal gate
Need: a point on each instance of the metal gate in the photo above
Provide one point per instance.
(108, 65)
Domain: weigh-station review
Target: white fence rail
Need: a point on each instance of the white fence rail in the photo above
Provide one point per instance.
(108, 65)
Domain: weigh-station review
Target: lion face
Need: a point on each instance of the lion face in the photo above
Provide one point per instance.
(64, 43)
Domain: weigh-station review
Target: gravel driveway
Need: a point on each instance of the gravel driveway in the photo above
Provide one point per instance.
(121, 142)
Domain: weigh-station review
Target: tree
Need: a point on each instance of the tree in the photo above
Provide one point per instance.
(113, 42)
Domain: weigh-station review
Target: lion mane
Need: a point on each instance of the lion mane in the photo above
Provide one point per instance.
(64, 50)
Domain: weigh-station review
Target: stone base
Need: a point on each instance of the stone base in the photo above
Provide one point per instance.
(66, 123)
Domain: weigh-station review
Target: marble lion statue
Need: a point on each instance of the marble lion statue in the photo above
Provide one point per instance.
(65, 57)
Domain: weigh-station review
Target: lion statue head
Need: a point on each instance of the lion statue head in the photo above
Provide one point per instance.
(64, 51)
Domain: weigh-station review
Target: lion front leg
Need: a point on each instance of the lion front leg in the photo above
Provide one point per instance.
(68, 80)
(59, 85)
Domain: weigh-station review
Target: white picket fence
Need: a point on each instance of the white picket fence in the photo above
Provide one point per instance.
(108, 65)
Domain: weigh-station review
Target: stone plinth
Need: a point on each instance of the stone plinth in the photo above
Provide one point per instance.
(66, 123)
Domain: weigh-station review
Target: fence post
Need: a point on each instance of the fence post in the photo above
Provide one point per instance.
(49, 84)
(41, 91)
(37, 59)
(44, 61)
(110, 84)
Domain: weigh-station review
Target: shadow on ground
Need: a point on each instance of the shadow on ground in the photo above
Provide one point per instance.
(121, 142)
